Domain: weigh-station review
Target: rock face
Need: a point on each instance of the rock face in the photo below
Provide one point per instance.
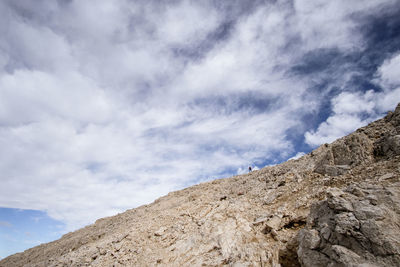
(358, 226)
(337, 206)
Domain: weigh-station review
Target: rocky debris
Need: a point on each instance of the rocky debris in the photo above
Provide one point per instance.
(349, 229)
(271, 196)
(387, 146)
(261, 218)
(394, 117)
(272, 224)
(334, 170)
(160, 231)
(344, 154)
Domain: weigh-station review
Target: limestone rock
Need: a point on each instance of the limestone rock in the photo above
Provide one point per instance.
(387, 146)
(160, 231)
(367, 234)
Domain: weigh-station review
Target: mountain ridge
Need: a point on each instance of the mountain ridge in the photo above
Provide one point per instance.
(264, 218)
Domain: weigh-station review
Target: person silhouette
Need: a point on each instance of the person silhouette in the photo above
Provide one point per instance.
(249, 168)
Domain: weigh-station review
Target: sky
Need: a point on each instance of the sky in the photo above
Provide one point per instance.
(107, 105)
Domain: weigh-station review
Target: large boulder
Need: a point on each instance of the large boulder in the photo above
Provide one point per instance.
(387, 146)
(355, 228)
(344, 154)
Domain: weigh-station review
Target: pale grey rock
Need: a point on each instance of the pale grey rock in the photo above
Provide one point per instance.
(343, 255)
(340, 204)
(387, 146)
(260, 220)
(160, 231)
(334, 192)
(273, 223)
(309, 238)
(386, 176)
(271, 196)
(346, 223)
(344, 154)
(366, 235)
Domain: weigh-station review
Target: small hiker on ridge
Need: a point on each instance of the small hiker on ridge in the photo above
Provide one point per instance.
(249, 168)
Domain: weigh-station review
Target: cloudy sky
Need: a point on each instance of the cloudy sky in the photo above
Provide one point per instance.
(107, 105)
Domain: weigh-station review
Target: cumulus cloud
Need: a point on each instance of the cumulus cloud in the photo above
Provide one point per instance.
(351, 111)
(107, 105)
(389, 72)
(334, 127)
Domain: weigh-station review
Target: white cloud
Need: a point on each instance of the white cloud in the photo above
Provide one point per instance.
(198, 22)
(352, 111)
(336, 26)
(351, 103)
(388, 100)
(389, 72)
(334, 127)
(29, 96)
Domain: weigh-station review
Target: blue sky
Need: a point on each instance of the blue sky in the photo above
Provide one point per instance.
(22, 229)
(107, 105)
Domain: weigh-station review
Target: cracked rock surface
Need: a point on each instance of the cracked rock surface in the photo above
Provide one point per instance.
(359, 225)
(336, 206)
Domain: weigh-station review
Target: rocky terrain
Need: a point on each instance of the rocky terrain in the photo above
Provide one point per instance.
(336, 206)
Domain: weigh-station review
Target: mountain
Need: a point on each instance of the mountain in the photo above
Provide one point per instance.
(336, 206)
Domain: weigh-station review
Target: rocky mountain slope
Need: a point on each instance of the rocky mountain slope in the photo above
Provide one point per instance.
(337, 206)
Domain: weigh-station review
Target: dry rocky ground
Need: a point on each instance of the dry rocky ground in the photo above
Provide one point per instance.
(337, 206)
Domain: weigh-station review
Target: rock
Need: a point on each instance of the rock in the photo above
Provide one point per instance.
(309, 257)
(324, 159)
(288, 254)
(352, 189)
(346, 223)
(340, 204)
(102, 251)
(341, 154)
(160, 231)
(273, 223)
(386, 176)
(260, 220)
(336, 170)
(309, 238)
(372, 199)
(343, 255)
(394, 118)
(387, 146)
(325, 232)
(239, 264)
(364, 210)
(334, 192)
(117, 246)
(271, 196)
(365, 235)
(344, 154)
(274, 235)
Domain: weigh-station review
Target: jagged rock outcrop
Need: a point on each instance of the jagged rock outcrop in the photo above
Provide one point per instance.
(359, 226)
(345, 153)
(336, 206)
